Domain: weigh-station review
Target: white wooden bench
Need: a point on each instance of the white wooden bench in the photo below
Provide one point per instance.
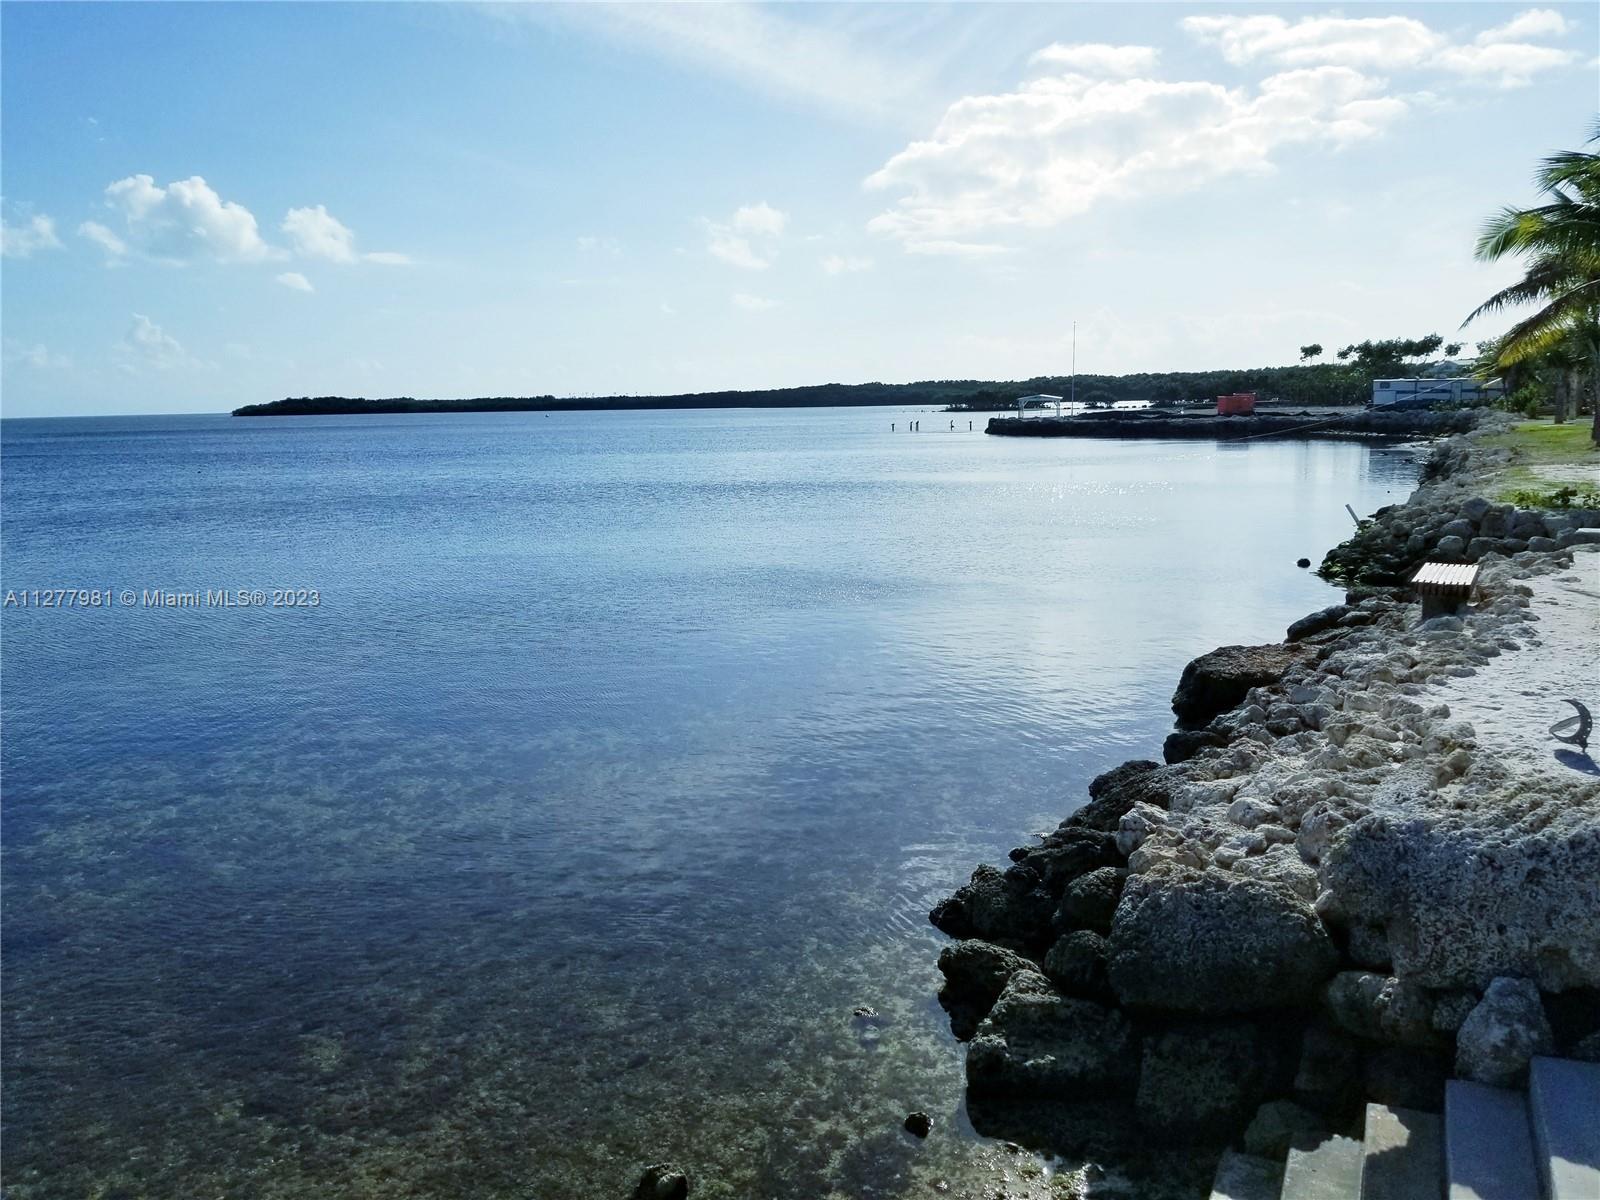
(1444, 587)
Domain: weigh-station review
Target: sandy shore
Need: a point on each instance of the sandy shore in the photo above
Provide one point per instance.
(1512, 700)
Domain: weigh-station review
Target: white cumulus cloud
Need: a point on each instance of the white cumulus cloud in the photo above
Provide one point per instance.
(1505, 64)
(750, 238)
(97, 233)
(23, 241)
(295, 281)
(751, 303)
(146, 344)
(183, 221)
(1317, 41)
(187, 221)
(38, 356)
(760, 219)
(316, 233)
(1501, 55)
(1097, 58)
(1058, 145)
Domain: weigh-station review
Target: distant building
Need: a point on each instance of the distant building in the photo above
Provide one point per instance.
(1037, 400)
(1125, 405)
(1420, 393)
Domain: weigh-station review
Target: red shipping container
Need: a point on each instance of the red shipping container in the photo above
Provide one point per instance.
(1236, 404)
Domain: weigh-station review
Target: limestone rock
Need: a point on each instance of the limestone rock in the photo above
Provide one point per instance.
(1318, 621)
(975, 974)
(1382, 1009)
(1202, 1078)
(1039, 1042)
(1077, 965)
(1215, 682)
(1116, 791)
(1006, 906)
(1090, 900)
(979, 970)
(1066, 854)
(1212, 942)
(1508, 887)
(1500, 1035)
(1368, 946)
(1184, 744)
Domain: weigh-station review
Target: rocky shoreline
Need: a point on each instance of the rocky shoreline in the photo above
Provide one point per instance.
(1332, 891)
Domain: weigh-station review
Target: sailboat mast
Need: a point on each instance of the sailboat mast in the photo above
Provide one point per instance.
(1074, 389)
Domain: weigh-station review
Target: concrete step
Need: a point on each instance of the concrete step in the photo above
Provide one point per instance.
(1488, 1144)
(1246, 1177)
(1403, 1155)
(1331, 1171)
(1564, 1104)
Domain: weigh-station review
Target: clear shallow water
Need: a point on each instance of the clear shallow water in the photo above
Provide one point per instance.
(622, 758)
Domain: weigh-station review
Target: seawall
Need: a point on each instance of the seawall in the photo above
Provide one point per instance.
(1356, 423)
(1333, 890)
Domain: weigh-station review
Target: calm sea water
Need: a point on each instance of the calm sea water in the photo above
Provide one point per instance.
(620, 760)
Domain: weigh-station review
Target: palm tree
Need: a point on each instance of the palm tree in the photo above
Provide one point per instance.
(1561, 242)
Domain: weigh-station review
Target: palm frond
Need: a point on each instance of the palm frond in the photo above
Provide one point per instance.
(1545, 279)
(1562, 318)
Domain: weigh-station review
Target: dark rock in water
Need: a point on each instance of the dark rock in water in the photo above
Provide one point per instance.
(1077, 965)
(975, 973)
(1186, 743)
(1317, 622)
(1214, 942)
(1037, 1041)
(1090, 900)
(1067, 853)
(1302, 563)
(1116, 791)
(663, 1181)
(1203, 1079)
(1009, 906)
(1215, 682)
(950, 916)
(919, 1123)
(1409, 1078)
(1119, 776)
(864, 1012)
(980, 970)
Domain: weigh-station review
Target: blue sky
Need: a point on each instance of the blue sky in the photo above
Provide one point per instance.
(207, 205)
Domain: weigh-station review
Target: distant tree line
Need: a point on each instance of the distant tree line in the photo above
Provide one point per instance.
(930, 393)
(1347, 381)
